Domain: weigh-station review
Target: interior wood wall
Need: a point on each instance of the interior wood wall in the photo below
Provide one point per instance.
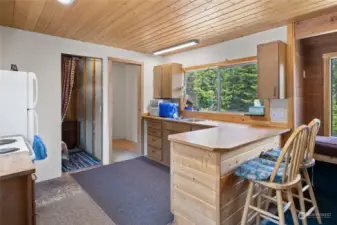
(299, 85)
(313, 50)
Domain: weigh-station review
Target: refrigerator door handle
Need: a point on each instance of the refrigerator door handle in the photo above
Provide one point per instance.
(35, 88)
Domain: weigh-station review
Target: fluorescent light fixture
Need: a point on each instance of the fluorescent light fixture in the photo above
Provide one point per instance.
(66, 2)
(176, 47)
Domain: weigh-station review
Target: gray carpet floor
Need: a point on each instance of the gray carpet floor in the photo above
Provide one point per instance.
(63, 202)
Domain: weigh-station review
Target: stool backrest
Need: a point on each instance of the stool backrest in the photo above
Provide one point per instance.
(292, 155)
(314, 126)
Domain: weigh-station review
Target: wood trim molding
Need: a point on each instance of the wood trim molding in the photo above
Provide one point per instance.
(327, 92)
(222, 63)
(316, 26)
(127, 61)
(325, 158)
(290, 63)
(140, 81)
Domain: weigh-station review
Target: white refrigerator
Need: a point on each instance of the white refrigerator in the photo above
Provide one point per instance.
(18, 100)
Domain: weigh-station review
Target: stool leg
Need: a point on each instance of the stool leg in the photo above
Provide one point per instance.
(292, 207)
(267, 201)
(248, 200)
(312, 195)
(258, 205)
(280, 207)
(302, 206)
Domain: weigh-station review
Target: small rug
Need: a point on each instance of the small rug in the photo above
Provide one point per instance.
(132, 192)
(79, 160)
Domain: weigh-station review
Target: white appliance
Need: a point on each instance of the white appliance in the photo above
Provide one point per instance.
(18, 99)
(153, 107)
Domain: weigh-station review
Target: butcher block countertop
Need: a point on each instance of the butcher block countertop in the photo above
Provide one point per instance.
(223, 136)
(15, 164)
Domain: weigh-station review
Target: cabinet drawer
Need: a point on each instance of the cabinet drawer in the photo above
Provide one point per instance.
(154, 132)
(154, 141)
(154, 153)
(177, 127)
(154, 124)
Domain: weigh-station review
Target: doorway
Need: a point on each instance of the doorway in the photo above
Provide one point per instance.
(82, 98)
(125, 109)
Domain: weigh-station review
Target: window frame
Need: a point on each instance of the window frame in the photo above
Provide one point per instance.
(219, 65)
(327, 92)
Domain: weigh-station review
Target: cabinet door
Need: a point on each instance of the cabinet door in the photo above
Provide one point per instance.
(177, 80)
(157, 81)
(166, 84)
(268, 70)
(166, 147)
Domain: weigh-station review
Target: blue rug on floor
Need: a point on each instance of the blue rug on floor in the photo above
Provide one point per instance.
(132, 192)
(79, 160)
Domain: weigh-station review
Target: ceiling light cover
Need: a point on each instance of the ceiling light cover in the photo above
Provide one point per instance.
(176, 47)
(66, 2)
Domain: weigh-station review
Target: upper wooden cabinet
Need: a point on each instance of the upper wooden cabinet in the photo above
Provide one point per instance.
(168, 81)
(271, 59)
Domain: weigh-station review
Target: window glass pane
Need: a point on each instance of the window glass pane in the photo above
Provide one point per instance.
(201, 87)
(334, 97)
(238, 87)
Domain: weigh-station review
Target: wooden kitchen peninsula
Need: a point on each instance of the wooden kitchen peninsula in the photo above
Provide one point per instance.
(204, 189)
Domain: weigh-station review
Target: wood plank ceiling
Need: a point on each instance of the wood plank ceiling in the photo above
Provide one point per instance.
(149, 25)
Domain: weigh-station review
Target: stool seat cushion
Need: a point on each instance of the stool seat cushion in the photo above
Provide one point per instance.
(271, 154)
(259, 169)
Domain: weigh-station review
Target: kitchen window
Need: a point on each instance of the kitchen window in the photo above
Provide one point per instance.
(223, 88)
(330, 94)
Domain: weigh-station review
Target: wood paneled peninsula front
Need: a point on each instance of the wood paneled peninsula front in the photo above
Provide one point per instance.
(204, 189)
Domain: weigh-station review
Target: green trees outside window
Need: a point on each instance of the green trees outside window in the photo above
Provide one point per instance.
(223, 89)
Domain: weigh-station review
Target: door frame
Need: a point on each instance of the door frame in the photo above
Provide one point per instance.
(140, 108)
(84, 58)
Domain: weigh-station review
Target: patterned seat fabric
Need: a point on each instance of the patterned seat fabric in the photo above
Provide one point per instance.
(271, 154)
(259, 169)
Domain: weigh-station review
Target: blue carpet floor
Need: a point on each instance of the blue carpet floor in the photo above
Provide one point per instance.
(79, 160)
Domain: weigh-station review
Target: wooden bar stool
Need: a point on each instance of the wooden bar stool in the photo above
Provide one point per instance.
(282, 175)
(308, 162)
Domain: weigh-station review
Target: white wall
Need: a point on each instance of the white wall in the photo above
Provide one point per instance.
(118, 101)
(1, 44)
(41, 54)
(233, 49)
(125, 101)
(131, 102)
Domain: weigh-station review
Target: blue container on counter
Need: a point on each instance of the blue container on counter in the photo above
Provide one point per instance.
(168, 110)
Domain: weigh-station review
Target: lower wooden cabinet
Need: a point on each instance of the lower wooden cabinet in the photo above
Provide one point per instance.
(155, 153)
(17, 200)
(159, 148)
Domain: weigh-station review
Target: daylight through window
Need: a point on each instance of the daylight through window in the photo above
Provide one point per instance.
(223, 89)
